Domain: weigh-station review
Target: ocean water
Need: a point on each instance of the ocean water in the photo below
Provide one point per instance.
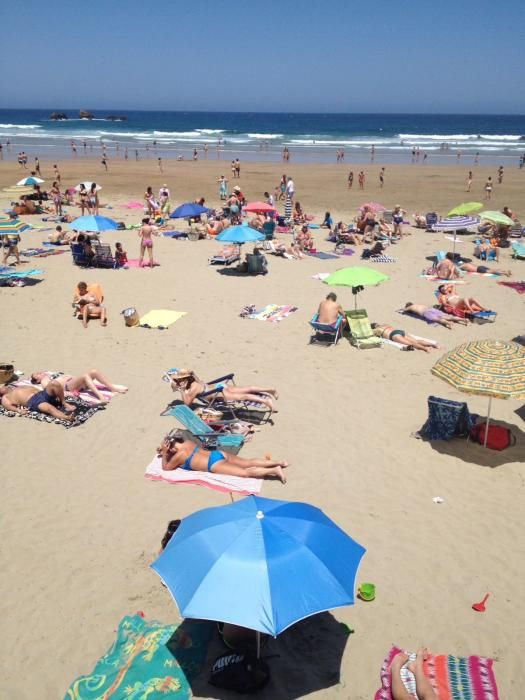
(262, 136)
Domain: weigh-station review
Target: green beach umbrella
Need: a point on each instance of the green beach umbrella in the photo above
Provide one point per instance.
(465, 208)
(357, 278)
(496, 217)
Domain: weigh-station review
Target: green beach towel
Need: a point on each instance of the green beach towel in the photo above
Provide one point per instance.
(147, 660)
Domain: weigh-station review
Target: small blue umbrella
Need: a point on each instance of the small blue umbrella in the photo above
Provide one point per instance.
(259, 563)
(188, 210)
(30, 181)
(240, 234)
(93, 223)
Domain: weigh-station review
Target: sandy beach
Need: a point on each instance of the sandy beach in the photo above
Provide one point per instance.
(81, 524)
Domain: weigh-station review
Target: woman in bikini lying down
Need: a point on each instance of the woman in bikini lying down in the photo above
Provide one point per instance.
(190, 386)
(178, 453)
(399, 336)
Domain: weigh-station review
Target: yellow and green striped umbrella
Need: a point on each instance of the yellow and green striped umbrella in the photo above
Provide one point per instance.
(10, 227)
(492, 368)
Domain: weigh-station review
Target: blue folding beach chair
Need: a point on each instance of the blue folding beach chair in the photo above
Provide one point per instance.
(432, 218)
(324, 333)
(206, 435)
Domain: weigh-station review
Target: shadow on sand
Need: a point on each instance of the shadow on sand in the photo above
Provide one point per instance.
(303, 659)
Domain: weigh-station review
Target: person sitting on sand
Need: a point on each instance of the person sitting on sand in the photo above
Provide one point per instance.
(22, 399)
(420, 220)
(327, 221)
(433, 315)
(399, 336)
(346, 235)
(424, 690)
(449, 297)
(304, 239)
(89, 305)
(83, 382)
(330, 311)
(190, 386)
(178, 453)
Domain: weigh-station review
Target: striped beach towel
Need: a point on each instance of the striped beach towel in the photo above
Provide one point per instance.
(451, 677)
(381, 259)
(272, 312)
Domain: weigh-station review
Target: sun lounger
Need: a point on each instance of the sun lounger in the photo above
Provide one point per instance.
(205, 434)
(324, 333)
(361, 333)
(79, 257)
(224, 259)
(432, 218)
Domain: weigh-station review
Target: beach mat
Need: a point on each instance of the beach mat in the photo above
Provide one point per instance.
(272, 313)
(218, 482)
(134, 262)
(451, 677)
(12, 272)
(41, 252)
(147, 659)
(323, 256)
(517, 286)
(83, 413)
(160, 318)
(175, 234)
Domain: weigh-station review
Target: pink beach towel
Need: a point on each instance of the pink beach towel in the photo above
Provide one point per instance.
(219, 482)
(134, 262)
(451, 677)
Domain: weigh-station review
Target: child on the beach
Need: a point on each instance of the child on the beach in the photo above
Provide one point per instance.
(121, 256)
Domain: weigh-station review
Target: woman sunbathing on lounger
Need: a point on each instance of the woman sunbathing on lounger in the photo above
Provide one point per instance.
(403, 338)
(433, 315)
(449, 297)
(190, 386)
(424, 690)
(22, 399)
(178, 453)
(72, 385)
(89, 306)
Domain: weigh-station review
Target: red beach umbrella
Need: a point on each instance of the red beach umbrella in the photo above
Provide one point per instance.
(259, 208)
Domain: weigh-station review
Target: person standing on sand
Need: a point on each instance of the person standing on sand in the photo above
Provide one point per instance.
(223, 188)
(382, 178)
(488, 188)
(159, 161)
(104, 162)
(469, 180)
(93, 198)
(500, 175)
(238, 168)
(56, 172)
(37, 167)
(164, 200)
(350, 179)
(361, 179)
(146, 233)
(126, 153)
(372, 154)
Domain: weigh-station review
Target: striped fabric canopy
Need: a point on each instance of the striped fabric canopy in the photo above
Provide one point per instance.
(288, 208)
(454, 223)
(10, 227)
(493, 368)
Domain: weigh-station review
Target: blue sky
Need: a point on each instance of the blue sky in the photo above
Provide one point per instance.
(308, 55)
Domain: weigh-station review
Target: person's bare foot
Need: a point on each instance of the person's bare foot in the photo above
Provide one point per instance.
(422, 655)
(399, 661)
(280, 474)
(84, 323)
(119, 388)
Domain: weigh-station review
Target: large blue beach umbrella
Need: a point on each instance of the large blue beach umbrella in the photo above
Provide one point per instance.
(186, 211)
(240, 234)
(93, 223)
(259, 563)
(455, 223)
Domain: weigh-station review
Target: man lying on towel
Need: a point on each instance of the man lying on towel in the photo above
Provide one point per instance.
(22, 399)
(433, 315)
(178, 453)
(84, 382)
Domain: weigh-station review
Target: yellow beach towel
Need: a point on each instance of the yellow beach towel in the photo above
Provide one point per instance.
(161, 318)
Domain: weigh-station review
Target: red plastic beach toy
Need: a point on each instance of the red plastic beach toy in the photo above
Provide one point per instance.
(480, 607)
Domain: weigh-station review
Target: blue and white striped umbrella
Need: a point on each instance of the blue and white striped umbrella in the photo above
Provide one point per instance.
(455, 223)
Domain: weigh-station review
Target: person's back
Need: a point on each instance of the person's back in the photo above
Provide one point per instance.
(329, 310)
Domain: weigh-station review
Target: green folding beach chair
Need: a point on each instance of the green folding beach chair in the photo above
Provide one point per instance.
(361, 334)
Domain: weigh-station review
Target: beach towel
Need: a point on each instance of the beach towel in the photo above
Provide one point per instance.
(218, 482)
(400, 346)
(83, 413)
(160, 318)
(321, 276)
(323, 256)
(272, 313)
(135, 263)
(517, 286)
(435, 278)
(84, 395)
(381, 259)
(40, 252)
(345, 251)
(451, 677)
(147, 660)
(175, 234)
(11, 272)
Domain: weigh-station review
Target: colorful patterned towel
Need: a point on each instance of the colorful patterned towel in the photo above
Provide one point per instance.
(218, 482)
(147, 660)
(11, 272)
(452, 677)
(272, 313)
(40, 252)
(517, 286)
(83, 413)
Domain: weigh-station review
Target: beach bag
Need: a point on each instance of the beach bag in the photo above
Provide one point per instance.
(7, 372)
(121, 226)
(240, 672)
(131, 316)
(499, 438)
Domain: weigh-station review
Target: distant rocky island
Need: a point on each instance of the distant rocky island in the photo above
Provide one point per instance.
(84, 114)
